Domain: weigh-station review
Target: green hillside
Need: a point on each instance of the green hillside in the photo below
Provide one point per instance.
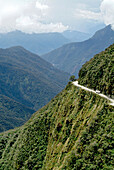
(28, 79)
(73, 131)
(27, 83)
(98, 73)
(12, 113)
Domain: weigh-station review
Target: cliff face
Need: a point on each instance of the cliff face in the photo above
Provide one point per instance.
(73, 131)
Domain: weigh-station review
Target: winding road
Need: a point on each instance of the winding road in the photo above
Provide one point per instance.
(100, 94)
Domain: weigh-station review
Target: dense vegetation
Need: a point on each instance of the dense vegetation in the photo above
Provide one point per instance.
(74, 131)
(12, 113)
(98, 72)
(38, 43)
(71, 57)
(27, 79)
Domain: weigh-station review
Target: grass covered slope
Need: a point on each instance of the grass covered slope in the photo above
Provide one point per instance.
(12, 113)
(74, 131)
(98, 73)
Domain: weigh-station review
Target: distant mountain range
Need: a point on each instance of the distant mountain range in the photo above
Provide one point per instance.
(72, 56)
(40, 43)
(76, 36)
(27, 79)
(37, 43)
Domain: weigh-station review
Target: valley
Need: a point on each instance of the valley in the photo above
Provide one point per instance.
(27, 83)
(73, 131)
(56, 85)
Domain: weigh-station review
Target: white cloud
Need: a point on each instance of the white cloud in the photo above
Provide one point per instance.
(107, 10)
(54, 16)
(89, 15)
(30, 25)
(41, 6)
(27, 16)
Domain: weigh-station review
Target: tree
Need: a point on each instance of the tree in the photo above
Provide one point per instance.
(72, 78)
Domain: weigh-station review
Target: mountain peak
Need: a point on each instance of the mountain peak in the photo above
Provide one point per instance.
(72, 56)
(107, 31)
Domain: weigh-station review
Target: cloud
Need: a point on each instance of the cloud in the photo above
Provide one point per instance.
(55, 16)
(107, 11)
(87, 14)
(27, 16)
(41, 6)
(31, 25)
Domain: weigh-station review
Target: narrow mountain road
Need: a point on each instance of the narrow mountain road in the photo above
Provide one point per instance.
(100, 94)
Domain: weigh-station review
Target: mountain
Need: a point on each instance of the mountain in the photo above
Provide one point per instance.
(73, 131)
(98, 72)
(76, 36)
(71, 57)
(28, 79)
(12, 113)
(36, 43)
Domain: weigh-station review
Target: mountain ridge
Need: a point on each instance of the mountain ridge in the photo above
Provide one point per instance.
(76, 36)
(71, 57)
(28, 80)
(28, 66)
(41, 42)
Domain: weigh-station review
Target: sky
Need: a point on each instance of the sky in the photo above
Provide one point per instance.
(37, 16)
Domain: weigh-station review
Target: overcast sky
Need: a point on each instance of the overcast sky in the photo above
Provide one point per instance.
(55, 15)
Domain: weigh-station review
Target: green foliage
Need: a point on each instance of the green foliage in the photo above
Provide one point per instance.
(72, 78)
(98, 72)
(62, 135)
(73, 131)
(30, 81)
(12, 113)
